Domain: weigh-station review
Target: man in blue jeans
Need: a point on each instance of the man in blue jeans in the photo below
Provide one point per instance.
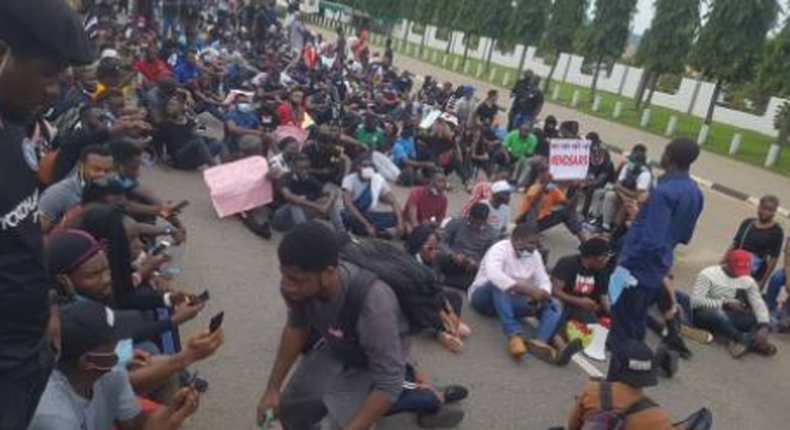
(668, 218)
(512, 284)
(776, 283)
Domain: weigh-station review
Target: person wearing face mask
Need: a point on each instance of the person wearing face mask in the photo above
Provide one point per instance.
(512, 284)
(634, 181)
(241, 121)
(428, 204)
(363, 190)
(464, 243)
(306, 198)
(87, 391)
(96, 162)
(545, 205)
(499, 206)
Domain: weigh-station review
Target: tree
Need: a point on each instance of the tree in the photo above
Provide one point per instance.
(493, 18)
(665, 46)
(465, 20)
(567, 17)
(731, 41)
(608, 34)
(774, 68)
(528, 24)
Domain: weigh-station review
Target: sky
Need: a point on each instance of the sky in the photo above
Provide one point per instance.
(645, 9)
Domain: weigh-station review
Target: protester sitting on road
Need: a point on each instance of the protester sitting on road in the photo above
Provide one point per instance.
(186, 148)
(622, 393)
(95, 162)
(777, 283)
(351, 383)
(579, 282)
(369, 132)
(546, 205)
(727, 302)
(88, 391)
(487, 111)
(282, 162)
(428, 204)
(519, 146)
(464, 244)
(499, 206)
(106, 191)
(305, 198)
(601, 175)
(291, 111)
(762, 237)
(634, 181)
(512, 284)
(363, 190)
(241, 121)
(404, 154)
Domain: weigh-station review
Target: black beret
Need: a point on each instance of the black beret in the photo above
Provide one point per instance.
(50, 26)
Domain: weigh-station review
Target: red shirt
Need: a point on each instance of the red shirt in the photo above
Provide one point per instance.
(287, 117)
(429, 207)
(153, 70)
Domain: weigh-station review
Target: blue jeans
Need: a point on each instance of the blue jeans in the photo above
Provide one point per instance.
(169, 25)
(509, 308)
(774, 289)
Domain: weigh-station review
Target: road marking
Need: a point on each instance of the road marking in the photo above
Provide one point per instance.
(587, 366)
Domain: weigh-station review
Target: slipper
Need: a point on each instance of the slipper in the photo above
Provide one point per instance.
(455, 393)
(450, 342)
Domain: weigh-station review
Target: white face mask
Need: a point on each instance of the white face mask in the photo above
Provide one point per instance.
(367, 173)
(524, 254)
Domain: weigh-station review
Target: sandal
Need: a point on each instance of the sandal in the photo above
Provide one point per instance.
(455, 393)
(766, 349)
(450, 342)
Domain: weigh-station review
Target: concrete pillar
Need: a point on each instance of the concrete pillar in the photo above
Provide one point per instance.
(645, 120)
(597, 103)
(456, 63)
(555, 94)
(575, 100)
(773, 155)
(618, 110)
(735, 143)
(492, 75)
(444, 61)
(672, 125)
(704, 133)
(506, 79)
(479, 69)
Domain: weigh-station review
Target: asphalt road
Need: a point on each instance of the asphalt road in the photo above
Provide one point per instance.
(242, 273)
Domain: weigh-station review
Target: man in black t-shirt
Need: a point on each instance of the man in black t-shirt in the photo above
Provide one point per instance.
(487, 111)
(579, 282)
(306, 198)
(39, 39)
(763, 238)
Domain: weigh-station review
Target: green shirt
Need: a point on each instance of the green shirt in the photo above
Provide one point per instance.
(518, 147)
(372, 139)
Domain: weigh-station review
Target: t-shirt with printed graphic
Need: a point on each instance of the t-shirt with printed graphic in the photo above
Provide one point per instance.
(579, 281)
(24, 283)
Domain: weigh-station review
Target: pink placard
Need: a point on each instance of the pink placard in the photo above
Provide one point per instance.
(239, 186)
(291, 131)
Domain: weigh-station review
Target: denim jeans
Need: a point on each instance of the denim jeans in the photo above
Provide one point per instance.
(774, 289)
(291, 215)
(509, 308)
(560, 216)
(169, 25)
(380, 220)
(734, 326)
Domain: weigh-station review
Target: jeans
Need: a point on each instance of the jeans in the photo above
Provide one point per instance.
(291, 215)
(734, 326)
(509, 308)
(774, 289)
(169, 25)
(525, 170)
(381, 221)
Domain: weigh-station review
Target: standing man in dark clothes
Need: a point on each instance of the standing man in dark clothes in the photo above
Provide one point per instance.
(39, 39)
(667, 219)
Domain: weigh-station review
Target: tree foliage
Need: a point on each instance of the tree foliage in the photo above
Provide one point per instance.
(666, 45)
(608, 34)
(773, 72)
(567, 17)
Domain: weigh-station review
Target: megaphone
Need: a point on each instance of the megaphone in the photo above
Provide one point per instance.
(596, 350)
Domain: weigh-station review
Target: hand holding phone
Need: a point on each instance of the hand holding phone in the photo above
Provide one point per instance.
(203, 297)
(216, 322)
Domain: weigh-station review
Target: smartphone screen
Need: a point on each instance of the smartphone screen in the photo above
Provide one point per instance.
(216, 322)
(203, 297)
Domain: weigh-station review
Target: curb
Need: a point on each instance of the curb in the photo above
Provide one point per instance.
(713, 186)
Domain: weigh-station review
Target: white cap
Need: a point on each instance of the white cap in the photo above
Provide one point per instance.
(501, 187)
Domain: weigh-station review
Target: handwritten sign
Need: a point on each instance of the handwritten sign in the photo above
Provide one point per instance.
(569, 159)
(239, 186)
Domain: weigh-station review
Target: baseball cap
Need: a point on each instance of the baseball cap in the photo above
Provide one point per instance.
(501, 187)
(85, 325)
(633, 365)
(49, 26)
(595, 247)
(739, 263)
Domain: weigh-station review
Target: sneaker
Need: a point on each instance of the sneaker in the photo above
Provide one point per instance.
(737, 349)
(445, 418)
(696, 334)
(455, 393)
(678, 345)
(566, 354)
(542, 351)
(666, 361)
(516, 346)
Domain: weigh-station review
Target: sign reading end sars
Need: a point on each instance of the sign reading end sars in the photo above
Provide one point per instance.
(569, 159)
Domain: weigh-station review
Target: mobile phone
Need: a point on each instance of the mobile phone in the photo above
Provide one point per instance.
(160, 248)
(216, 322)
(181, 206)
(203, 297)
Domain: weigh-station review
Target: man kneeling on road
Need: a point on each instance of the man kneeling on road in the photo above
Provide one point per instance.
(355, 377)
(512, 284)
(726, 301)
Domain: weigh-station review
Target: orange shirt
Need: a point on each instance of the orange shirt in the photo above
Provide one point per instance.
(550, 200)
(588, 401)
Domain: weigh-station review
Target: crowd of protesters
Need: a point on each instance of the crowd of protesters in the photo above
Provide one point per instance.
(89, 305)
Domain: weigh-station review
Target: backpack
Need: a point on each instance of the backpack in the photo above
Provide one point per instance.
(700, 420)
(608, 419)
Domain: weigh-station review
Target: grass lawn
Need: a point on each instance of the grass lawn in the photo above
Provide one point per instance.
(753, 149)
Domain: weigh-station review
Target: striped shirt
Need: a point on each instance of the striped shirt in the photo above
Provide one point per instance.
(714, 287)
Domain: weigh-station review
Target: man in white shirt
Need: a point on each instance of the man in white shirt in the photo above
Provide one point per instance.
(512, 284)
(363, 191)
(727, 302)
(499, 206)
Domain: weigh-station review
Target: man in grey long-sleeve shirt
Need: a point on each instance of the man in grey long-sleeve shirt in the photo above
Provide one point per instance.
(466, 241)
(354, 385)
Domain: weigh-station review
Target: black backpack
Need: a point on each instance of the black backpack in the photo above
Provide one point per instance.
(607, 418)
